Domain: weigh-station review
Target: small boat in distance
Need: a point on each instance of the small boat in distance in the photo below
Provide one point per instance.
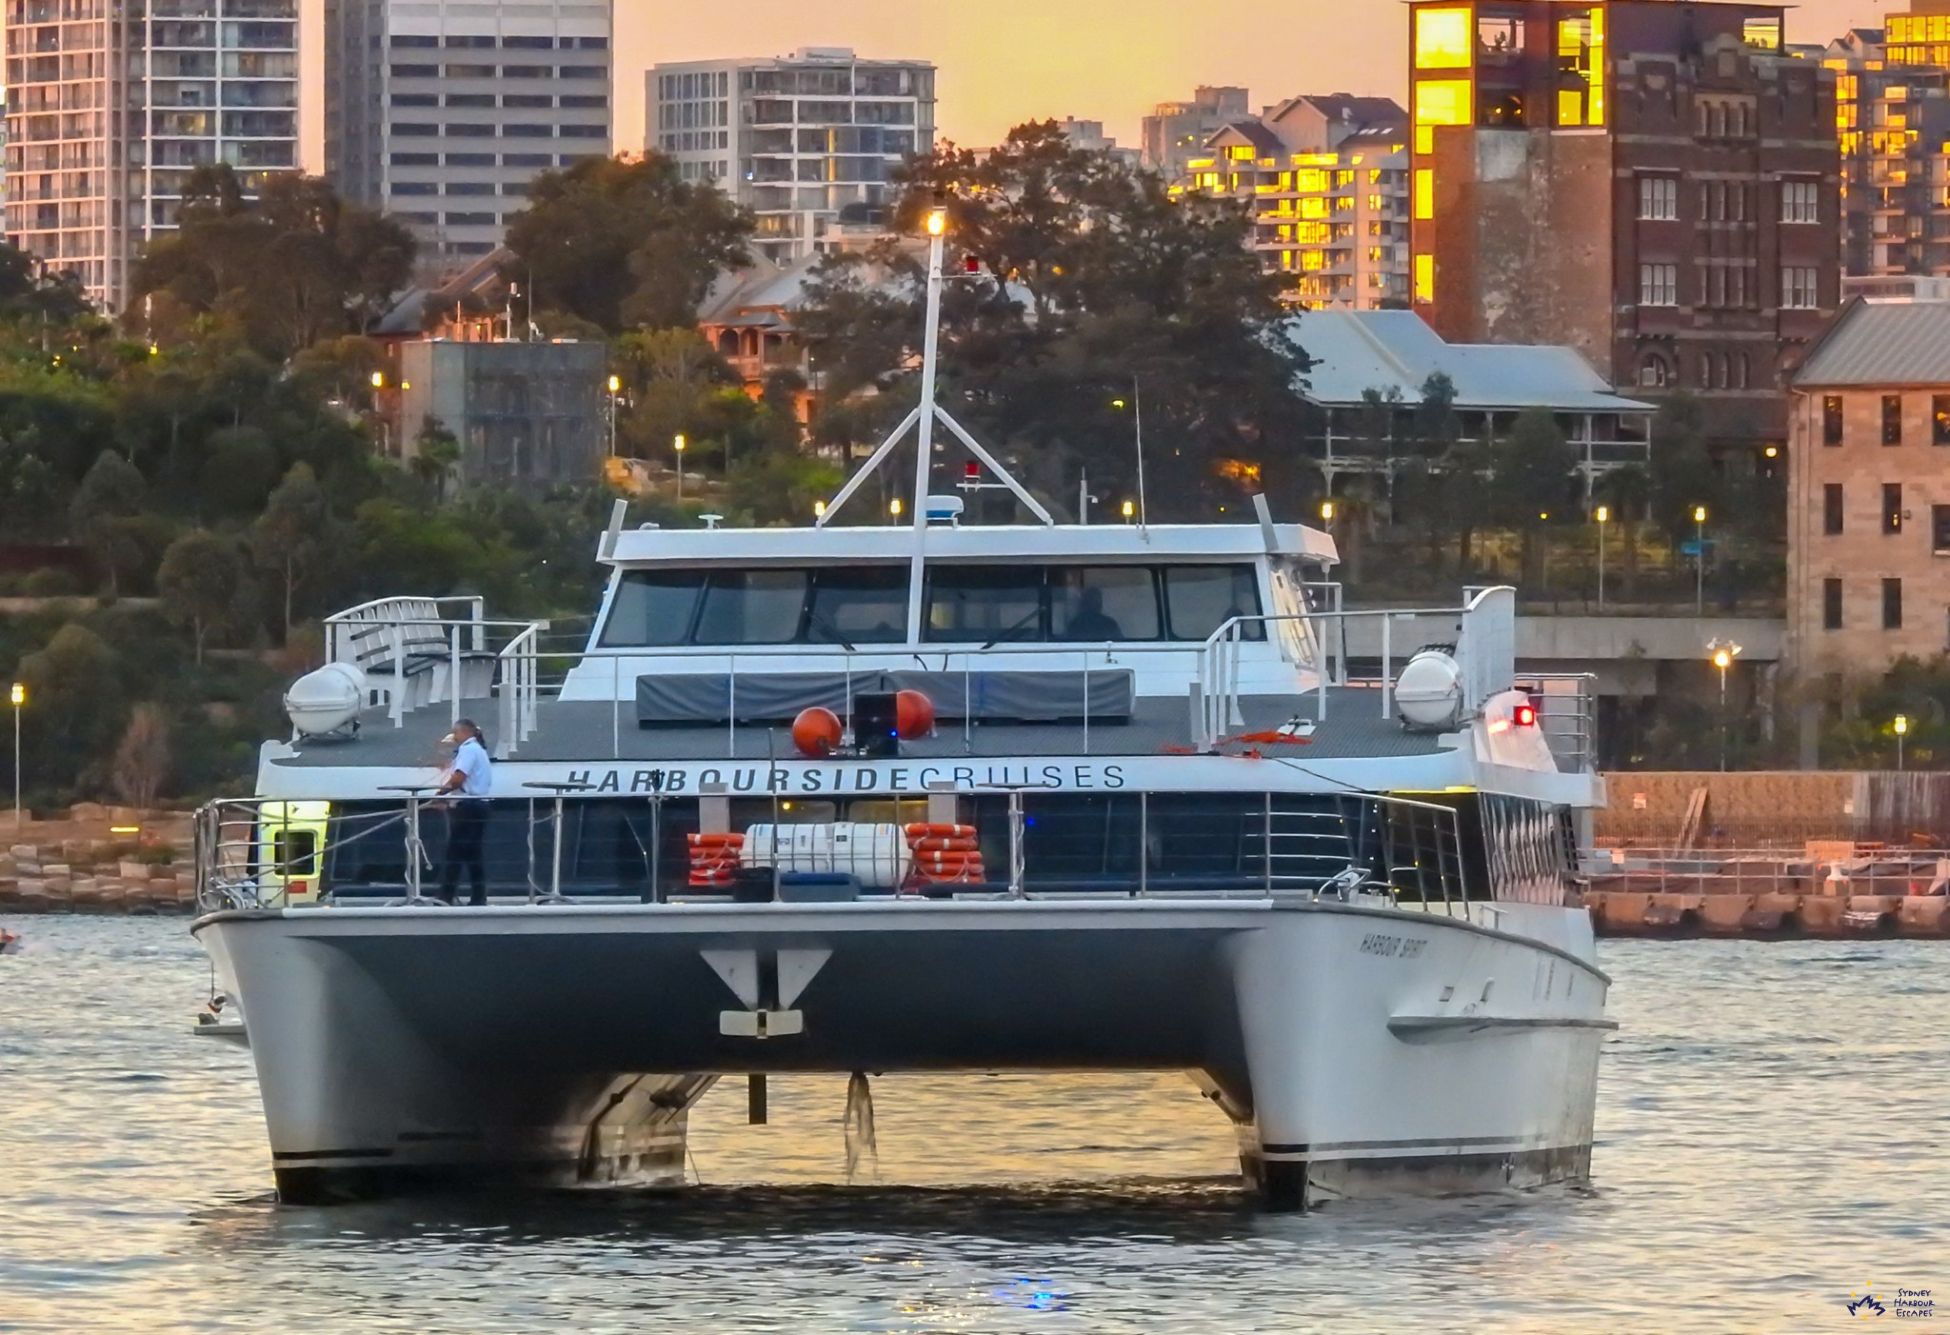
(925, 797)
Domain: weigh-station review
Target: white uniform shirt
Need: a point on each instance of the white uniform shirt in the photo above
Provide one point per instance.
(471, 762)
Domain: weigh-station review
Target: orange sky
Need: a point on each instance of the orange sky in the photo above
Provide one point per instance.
(1006, 61)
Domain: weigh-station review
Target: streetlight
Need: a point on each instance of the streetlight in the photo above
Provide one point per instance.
(18, 697)
(819, 509)
(379, 380)
(1602, 516)
(1901, 726)
(1699, 560)
(615, 390)
(1723, 653)
(1326, 512)
(678, 444)
(894, 507)
(1130, 509)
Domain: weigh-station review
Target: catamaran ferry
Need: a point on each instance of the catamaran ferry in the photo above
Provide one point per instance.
(939, 797)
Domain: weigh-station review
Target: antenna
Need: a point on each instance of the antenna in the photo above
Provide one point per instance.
(928, 412)
(1137, 417)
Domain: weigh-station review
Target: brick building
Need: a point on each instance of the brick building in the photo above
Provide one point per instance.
(1653, 184)
(1869, 491)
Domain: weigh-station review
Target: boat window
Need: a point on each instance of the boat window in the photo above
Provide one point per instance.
(863, 605)
(1200, 599)
(752, 607)
(652, 607)
(1091, 603)
(985, 603)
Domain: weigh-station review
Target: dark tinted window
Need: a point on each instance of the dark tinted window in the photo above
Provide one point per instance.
(1892, 419)
(1940, 419)
(1092, 603)
(985, 603)
(1200, 599)
(1892, 604)
(1831, 419)
(1940, 529)
(752, 607)
(1892, 507)
(1831, 507)
(1831, 604)
(653, 608)
(859, 606)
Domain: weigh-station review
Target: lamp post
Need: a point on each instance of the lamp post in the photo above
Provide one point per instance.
(1602, 516)
(1699, 560)
(1327, 512)
(1723, 653)
(18, 697)
(678, 445)
(615, 393)
(1901, 727)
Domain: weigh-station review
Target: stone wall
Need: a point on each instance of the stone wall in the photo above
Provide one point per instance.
(79, 863)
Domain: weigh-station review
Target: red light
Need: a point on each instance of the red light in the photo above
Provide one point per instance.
(972, 471)
(1524, 716)
(971, 265)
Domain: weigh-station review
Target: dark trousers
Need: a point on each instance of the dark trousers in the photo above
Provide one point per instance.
(466, 830)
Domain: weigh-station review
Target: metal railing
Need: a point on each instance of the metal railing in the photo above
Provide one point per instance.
(255, 853)
(1485, 650)
(1837, 869)
(1291, 653)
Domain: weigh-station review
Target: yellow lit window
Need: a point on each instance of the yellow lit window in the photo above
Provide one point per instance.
(1425, 139)
(1443, 40)
(1240, 152)
(1425, 278)
(1442, 102)
(1424, 193)
(1570, 107)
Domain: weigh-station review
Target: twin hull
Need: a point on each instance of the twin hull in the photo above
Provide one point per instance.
(1358, 1049)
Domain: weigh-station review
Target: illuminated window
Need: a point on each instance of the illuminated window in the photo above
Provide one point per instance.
(1442, 39)
(1442, 102)
(1425, 278)
(1424, 193)
(1240, 152)
(1581, 66)
(1763, 33)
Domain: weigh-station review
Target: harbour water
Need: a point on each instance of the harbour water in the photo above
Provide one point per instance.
(1774, 1138)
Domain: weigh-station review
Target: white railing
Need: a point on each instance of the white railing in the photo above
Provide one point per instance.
(517, 682)
(1486, 647)
(342, 627)
(1485, 650)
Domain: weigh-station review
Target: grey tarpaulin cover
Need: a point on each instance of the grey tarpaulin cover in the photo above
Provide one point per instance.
(1021, 697)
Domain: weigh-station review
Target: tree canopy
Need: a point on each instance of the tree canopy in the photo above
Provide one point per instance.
(1095, 294)
(617, 243)
(293, 267)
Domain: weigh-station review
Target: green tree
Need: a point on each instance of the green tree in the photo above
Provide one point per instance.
(436, 453)
(110, 494)
(292, 267)
(203, 585)
(289, 537)
(1092, 285)
(239, 469)
(1531, 472)
(76, 707)
(618, 243)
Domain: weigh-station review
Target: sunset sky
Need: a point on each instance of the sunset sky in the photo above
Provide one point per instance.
(1005, 61)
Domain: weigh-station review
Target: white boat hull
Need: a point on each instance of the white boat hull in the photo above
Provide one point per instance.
(1360, 1049)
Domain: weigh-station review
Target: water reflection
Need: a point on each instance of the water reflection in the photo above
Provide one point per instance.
(1772, 1131)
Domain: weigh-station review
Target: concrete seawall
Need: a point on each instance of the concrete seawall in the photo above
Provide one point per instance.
(1714, 911)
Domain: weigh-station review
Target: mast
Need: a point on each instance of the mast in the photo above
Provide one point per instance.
(924, 440)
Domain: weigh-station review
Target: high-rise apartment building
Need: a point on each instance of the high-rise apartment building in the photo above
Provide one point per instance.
(112, 103)
(1175, 132)
(1654, 184)
(440, 112)
(797, 139)
(1326, 178)
(1892, 118)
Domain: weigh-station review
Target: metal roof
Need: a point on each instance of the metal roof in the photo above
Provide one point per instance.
(1881, 343)
(1006, 542)
(1356, 351)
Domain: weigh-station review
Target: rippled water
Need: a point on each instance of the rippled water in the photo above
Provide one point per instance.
(1774, 1133)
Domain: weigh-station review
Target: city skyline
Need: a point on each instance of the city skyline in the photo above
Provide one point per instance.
(1095, 59)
